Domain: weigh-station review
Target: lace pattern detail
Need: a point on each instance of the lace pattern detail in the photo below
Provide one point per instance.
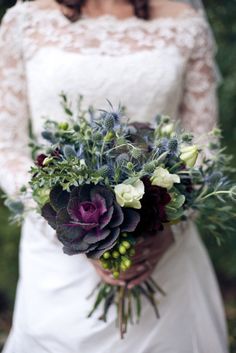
(26, 29)
(14, 156)
(108, 35)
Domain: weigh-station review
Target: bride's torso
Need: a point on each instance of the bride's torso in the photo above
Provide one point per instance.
(140, 64)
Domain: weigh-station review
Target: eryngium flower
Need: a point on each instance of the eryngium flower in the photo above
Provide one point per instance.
(152, 212)
(88, 219)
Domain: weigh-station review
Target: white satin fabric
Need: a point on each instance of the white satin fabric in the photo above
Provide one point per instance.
(161, 66)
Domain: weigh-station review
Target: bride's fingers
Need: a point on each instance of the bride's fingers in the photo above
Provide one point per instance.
(146, 255)
(139, 279)
(107, 277)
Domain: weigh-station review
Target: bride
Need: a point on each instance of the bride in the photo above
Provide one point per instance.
(155, 57)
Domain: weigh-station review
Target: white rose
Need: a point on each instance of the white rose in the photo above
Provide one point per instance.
(129, 195)
(161, 177)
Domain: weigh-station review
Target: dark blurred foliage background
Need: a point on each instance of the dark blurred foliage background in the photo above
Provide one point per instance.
(222, 16)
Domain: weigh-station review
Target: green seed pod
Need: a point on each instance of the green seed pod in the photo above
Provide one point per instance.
(122, 249)
(126, 244)
(106, 255)
(115, 254)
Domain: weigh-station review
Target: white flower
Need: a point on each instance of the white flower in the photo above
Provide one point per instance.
(189, 155)
(161, 177)
(167, 129)
(129, 195)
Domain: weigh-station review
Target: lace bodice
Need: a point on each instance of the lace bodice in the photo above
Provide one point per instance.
(164, 65)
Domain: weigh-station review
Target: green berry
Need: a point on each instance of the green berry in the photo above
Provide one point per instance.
(124, 235)
(127, 263)
(115, 254)
(126, 244)
(63, 125)
(106, 255)
(123, 267)
(116, 274)
(105, 265)
(122, 249)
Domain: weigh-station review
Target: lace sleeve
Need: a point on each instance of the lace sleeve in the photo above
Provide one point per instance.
(199, 109)
(14, 155)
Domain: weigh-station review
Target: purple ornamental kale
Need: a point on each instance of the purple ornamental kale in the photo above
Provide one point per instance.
(88, 219)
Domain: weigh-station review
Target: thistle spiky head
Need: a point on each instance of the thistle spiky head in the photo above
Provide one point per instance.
(173, 145)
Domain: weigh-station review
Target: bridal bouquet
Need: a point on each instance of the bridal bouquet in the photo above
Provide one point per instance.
(102, 183)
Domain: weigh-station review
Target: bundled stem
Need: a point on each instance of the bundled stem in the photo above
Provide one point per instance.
(126, 299)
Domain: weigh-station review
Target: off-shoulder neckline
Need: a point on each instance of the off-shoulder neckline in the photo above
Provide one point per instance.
(187, 14)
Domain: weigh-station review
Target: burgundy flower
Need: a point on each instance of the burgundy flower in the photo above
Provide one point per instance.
(40, 159)
(152, 213)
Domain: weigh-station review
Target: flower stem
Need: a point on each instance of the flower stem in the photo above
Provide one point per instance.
(213, 194)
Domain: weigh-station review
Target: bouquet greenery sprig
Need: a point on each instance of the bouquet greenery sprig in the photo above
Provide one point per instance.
(101, 181)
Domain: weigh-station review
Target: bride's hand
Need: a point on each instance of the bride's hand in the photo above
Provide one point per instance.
(149, 251)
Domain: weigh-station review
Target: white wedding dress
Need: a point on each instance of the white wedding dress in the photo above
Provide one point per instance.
(165, 66)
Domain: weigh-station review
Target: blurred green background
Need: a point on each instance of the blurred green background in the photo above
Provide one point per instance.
(222, 15)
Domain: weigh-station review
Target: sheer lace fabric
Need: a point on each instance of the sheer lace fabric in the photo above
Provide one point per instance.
(14, 157)
(166, 61)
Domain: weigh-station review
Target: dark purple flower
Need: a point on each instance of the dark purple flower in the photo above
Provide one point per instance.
(152, 213)
(40, 159)
(88, 219)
